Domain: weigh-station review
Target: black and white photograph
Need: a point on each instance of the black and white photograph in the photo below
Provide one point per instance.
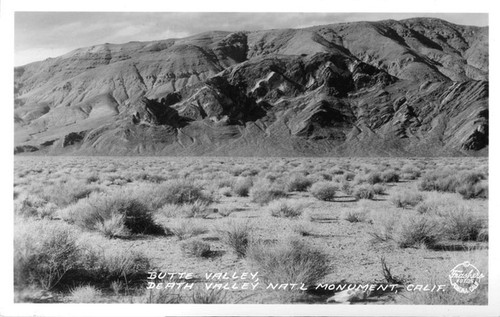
(195, 159)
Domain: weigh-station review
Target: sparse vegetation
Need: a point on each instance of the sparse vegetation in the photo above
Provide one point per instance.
(195, 209)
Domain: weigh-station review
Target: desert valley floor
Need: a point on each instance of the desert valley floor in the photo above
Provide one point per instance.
(89, 229)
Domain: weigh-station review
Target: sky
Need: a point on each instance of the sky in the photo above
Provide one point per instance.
(39, 35)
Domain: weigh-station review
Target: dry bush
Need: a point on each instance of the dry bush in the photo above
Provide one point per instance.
(65, 193)
(374, 178)
(102, 210)
(85, 294)
(346, 187)
(236, 235)
(464, 224)
(264, 192)
(186, 229)
(449, 180)
(198, 209)
(182, 192)
(324, 190)
(285, 209)
(471, 191)
(195, 247)
(298, 183)
(43, 253)
(34, 206)
(379, 189)
(113, 227)
(349, 176)
(417, 231)
(410, 172)
(390, 176)
(355, 215)
(364, 192)
(146, 177)
(288, 261)
(406, 199)
(241, 186)
(407, 230)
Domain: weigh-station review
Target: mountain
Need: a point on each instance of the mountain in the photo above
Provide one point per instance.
(416, 87)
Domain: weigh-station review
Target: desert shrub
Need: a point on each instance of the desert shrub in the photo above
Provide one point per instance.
(235, 235)
(271, 176)
(33, 206)
(242, 186)
(364, 192)
(299, 183)
(463, 224)
(355, 215)
(250, 172)
(43, 253)
(417, 231)
(149, 178)
(198, 209)
(349, 176)
(226, 191)
(324, 190)
(113, 227)
(288, 261)
(438, 204)
(186, 229)
(407, 230)
(105, 266)
(470, 191)
(379, 189)
(285, 209)
(346, 188)
(410, 172)
(93, 212)
(195, 247)
(93, 178)
(65, 193)
(264, 192)
(337, 171)
(360, 213)
(85, 294)
(449, 180)
(182, 192)
(406, 199)
(374, 178)
(390, 177)
(224, 211)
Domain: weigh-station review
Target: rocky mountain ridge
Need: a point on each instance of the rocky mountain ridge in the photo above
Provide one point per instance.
(416, 87)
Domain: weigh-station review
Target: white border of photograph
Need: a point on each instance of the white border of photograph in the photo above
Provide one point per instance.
(8, 7)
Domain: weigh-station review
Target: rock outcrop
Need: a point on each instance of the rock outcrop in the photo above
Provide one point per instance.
(389, 88)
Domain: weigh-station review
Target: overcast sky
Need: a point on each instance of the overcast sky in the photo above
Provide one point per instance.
(39, 35)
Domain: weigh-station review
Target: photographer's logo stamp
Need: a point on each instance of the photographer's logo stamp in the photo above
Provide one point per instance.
(465, 277)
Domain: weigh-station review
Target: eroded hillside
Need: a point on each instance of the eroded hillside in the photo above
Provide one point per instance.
(388, 88)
